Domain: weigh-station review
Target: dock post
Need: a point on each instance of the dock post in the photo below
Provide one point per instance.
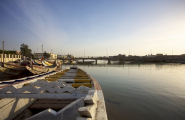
(83, 60)
(96, 61)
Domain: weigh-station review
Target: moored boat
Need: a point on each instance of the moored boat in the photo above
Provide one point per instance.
(35, 62)
(35, 69)
(70, 94)
(15, 66)
(9, 71)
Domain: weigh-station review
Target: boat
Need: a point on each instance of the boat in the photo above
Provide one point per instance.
(70, 94)
(14, 68)
(35, 69)
(35, 63)
(85, 62)
(38, 61)
(9, 71)
(46, 64)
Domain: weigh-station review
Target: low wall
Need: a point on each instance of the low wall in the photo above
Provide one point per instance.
(9, 57)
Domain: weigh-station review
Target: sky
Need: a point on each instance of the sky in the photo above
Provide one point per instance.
(94, 27)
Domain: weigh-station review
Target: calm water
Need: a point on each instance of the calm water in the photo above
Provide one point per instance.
(142, 92)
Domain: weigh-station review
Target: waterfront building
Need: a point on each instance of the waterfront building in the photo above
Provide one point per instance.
(39, 55)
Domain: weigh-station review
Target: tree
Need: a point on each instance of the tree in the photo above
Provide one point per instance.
(25, 50)
(46, 55)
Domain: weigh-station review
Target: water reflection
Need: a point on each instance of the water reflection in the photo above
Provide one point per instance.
(141, 91)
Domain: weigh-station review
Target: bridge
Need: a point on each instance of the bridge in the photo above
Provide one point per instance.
(163, 58)
(95, 58)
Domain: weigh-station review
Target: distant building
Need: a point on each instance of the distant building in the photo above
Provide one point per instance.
(159, 54)
(121, 55)
(53, 56)
(150, 56)
(61, 56)
(117, 56)
(39, 55)
(70, 56)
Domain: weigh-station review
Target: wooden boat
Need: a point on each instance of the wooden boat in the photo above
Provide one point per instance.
(49, 64)
(32, 70)
(35, 62)
(9, 71)
(35, 69)
(15, 66)
(46, 64)
(38, 61)
(70, 94)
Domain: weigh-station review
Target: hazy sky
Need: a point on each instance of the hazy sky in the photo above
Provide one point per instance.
(98, 27)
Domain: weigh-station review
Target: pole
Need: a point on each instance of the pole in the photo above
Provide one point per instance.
(84, 53)
(107, 52)
(42, 48)
(42, 51)
(3, 51)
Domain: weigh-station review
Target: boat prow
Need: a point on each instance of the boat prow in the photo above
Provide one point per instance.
(70, 94)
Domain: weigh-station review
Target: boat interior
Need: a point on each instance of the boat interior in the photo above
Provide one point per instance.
(63, 95)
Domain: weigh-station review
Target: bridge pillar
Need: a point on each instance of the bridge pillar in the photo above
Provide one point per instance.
(109, 61)
(96, 61)
(83, 60)
(123, 60)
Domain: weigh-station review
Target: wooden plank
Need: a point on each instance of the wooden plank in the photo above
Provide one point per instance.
(82, 80)
(54, 101)
(46, 106)
(79, 84)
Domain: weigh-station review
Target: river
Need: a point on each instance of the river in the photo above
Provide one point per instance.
(141, 91)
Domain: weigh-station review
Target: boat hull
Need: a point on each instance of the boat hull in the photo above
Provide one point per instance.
(50, 91)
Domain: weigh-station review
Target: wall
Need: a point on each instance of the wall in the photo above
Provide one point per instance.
(9, 57)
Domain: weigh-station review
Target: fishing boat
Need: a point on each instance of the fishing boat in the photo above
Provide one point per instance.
(35, 69)
(9, 71)
(15, 66)
(70, 94)
(38, 61)
(46, 63)
(35, 63)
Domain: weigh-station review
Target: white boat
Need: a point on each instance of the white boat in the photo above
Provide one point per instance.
(70, 94)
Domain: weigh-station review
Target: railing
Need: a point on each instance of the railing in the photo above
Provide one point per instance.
(92, 57)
